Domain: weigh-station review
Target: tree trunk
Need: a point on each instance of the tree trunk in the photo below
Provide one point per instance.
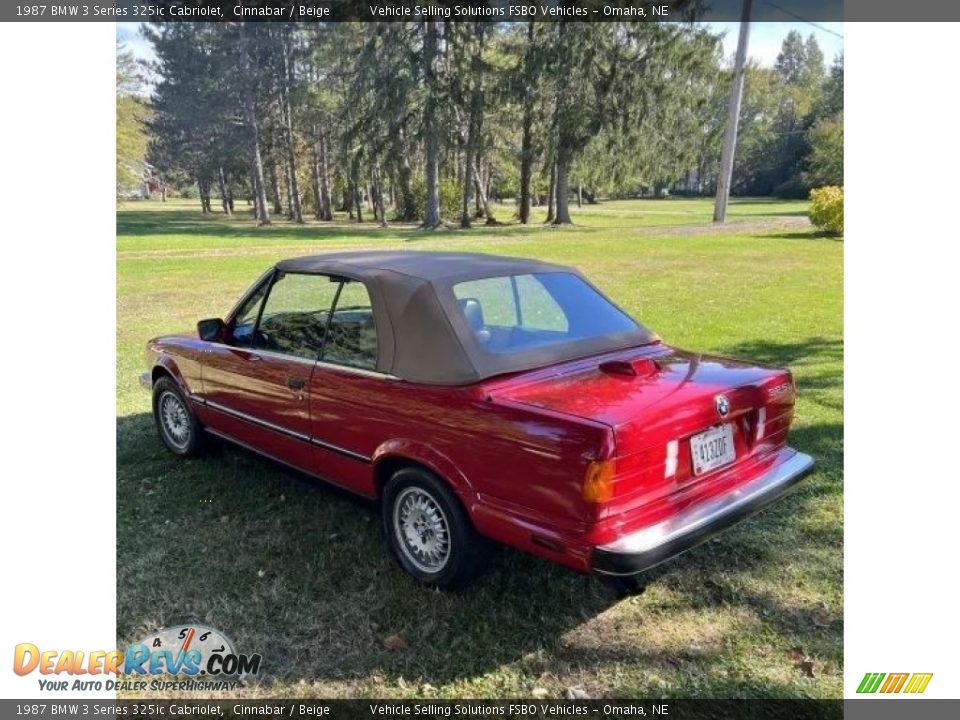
(249, 109)
(275, 187)
(482, 197)
(296, 211)
(407, 201)
(526, 142)
(468, 183)
(474, 123)
(552, 192)
(204, 198)
(324, 171)
(432, 132)
(288, 189)
(378, 184)
(355, 194)
(564, 161)
(224, 199)
(526, 163)
(315, 183)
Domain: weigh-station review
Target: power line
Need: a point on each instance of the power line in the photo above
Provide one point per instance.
(803, 19)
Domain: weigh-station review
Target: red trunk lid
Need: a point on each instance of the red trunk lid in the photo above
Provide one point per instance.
(655, 398)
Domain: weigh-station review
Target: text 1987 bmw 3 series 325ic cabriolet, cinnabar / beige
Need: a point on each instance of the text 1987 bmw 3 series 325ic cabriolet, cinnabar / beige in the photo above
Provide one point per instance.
(483, 398)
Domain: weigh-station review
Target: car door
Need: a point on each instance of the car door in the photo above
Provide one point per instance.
(257, 384)
(350, 403)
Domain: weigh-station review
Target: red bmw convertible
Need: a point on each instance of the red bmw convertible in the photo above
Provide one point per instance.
(483, 398)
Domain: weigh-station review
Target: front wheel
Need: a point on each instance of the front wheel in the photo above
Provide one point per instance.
(178, 426)
(428, 530)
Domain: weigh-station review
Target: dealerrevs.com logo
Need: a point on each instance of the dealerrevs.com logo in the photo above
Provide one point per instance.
(888, 683)
(198, 658)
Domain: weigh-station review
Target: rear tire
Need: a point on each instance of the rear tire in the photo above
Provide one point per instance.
(179, 428)
(429, 532)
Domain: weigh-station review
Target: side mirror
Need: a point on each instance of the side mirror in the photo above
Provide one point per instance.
(210, 330)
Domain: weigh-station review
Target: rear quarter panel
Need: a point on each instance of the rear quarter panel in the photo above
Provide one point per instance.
(526, 462)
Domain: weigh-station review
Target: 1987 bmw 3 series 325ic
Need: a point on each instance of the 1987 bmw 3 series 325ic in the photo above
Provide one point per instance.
(483, 398)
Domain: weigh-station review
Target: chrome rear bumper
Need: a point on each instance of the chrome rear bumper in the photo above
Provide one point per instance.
(646, 548)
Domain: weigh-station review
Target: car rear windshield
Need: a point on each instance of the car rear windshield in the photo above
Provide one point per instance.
(515, 313)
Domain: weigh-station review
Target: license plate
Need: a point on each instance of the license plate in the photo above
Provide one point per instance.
(712, 449)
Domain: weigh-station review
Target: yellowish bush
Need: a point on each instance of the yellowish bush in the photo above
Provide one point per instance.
(826, 209)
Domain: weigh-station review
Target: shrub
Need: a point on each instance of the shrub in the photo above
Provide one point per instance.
(826, 209)
(450, 196)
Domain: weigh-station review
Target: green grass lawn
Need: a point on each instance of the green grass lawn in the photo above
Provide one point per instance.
(299, 572)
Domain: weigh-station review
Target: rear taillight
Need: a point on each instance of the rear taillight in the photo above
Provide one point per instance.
(598, 481)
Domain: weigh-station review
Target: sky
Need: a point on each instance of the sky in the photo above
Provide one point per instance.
(766, 37)
(763, 46)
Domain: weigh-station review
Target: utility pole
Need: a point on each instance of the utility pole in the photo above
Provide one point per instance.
(733, 119)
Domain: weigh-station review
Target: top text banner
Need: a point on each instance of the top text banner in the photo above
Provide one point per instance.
(810, 11)
(490, 10)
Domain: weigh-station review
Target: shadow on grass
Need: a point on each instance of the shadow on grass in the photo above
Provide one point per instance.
(299, 572)
(772, 352)
(817, 364)
(810, 234)
(241, 225)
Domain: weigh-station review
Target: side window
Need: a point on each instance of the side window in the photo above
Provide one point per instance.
(246, 318)
(295, 315)
(352, 338)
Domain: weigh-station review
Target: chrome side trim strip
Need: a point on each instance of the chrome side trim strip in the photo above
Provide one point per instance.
(258, 421)
(311, 363)
(356, 371)
(266, 353)
(283, 431)
(341, 451)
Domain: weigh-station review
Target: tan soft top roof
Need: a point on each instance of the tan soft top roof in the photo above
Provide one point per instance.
(423, 336)
(425, 265)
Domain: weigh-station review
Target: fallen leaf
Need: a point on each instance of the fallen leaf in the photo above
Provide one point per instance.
(283, 498)
(796, 654)
(540, 693)
(575, 693)
(261, 573)
(806, 666)
(395, 643)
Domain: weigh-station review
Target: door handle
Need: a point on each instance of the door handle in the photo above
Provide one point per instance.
(296, 383)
